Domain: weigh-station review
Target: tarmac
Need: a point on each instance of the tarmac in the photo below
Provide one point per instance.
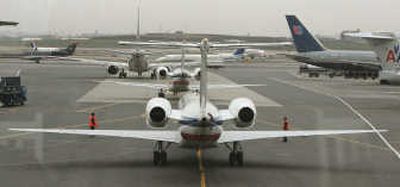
(62, 96)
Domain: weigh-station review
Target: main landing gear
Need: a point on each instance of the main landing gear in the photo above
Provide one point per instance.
(236, 154)
(160, 154)
(122, 74)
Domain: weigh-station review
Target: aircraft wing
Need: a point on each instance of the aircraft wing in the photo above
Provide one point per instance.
(159, 44)
(172, 64)
(373, 36)
(8, 23)
(145, 85)
(239, 45)
(92, 62)
(226, 86)
(233, 136)
(153, 135)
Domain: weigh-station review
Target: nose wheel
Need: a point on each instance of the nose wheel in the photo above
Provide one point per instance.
(236, 155)
(159, 154)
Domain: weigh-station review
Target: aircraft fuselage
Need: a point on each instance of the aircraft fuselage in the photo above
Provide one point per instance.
(195, 131)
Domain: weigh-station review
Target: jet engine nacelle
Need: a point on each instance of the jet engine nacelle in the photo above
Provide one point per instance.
(244, 111)
(197, 73)
(158, 111)
(113, 70)
(161, 72)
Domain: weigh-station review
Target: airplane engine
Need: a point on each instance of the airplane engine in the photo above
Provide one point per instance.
(161, 72)
(197, 73)
(113, 70)
(244, 111)
(158, 111)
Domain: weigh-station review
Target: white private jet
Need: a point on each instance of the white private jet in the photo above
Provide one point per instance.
(237, 56)
(201, 121)
(386, 46)
(139, 63)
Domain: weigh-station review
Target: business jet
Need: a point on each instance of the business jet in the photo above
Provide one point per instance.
(237, 56)
(201, 121)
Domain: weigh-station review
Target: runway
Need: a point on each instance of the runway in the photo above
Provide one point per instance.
(61, 96)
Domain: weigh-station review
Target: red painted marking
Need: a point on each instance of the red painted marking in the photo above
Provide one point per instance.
(297, 30)
(180, 82)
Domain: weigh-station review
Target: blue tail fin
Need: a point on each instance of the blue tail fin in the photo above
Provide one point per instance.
(303, 40)
(239, 52)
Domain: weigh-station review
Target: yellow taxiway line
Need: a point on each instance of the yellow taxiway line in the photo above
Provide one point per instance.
(201, 168)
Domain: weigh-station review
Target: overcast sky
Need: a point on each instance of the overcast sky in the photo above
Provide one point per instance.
(257, 17)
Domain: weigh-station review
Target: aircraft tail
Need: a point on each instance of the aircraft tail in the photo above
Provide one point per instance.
(203, 79)
(303, 40)
(71, 48)
(239, 52)
(385, 45)
(33, 45)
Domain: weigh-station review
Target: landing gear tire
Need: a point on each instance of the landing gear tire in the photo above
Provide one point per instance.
(122, 75)
(236, 158)
(163, 158)
(156, 157)
(159, 154)
(236, 155)
(232, 159)
(161, 94)
(239, 158)
(384, 82)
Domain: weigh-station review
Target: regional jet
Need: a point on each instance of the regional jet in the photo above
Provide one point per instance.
(41, 53)
(354, 64)
(201, 121)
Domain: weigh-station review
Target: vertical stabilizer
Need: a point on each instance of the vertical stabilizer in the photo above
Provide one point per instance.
(138, 22)
(303, 40)
(385, 45)
(239, 52)
(71, 48)
(204, 47)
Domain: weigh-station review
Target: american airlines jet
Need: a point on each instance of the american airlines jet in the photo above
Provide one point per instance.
(201, 122)
(387, 47)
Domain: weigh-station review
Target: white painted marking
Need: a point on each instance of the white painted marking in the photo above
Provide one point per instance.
(385, 141)
(113, 93)
(370, 124)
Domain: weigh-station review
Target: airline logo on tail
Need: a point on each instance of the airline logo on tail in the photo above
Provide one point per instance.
(239, 52)
(393, 55)
(297, 30)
